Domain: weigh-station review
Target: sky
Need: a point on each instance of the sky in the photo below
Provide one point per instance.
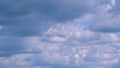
(59, 33)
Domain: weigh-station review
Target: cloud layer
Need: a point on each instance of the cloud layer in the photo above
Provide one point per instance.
(59, 34)
(28, 18)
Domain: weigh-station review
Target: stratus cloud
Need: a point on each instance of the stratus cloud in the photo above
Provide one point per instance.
(10, 45)
(29, 18)
(14, 45)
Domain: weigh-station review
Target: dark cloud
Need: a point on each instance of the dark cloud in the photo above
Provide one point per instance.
(62, 10)
(15, 45)
(22, 18)
(10, 44)
(30, 38)
(116, 8)
(13, 8)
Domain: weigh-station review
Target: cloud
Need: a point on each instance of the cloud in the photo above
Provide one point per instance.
(10, 44)
(14, 8)
(29, 18)
(97, 49)
(59, 34)
(115, 9)
(67, 33)
(14, 45)
(107, 20)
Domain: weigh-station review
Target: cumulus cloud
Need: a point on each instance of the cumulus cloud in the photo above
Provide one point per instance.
(69, 45)
(67, 32)
(99, 50)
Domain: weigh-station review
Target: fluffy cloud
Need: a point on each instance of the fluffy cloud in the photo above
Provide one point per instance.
(64, 32)
(99, 50)
(62, 46)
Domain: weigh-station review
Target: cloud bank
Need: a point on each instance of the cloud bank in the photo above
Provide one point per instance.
(59, 34)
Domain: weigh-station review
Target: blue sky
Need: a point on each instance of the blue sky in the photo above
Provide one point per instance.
(59, 34)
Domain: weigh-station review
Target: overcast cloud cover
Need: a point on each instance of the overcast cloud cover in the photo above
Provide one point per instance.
(59, 34)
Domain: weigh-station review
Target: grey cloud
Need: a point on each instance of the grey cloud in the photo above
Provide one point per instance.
(13, 8)
(61, 53)
(10, 44)
(116, 8)
(63, 45)
(22, 18)
(64, 9)
(106, 21)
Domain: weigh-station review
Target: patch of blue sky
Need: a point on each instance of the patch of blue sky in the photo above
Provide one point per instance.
(83, 23)
(100, 1)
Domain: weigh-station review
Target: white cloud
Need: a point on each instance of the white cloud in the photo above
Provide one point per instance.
(73, 52)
